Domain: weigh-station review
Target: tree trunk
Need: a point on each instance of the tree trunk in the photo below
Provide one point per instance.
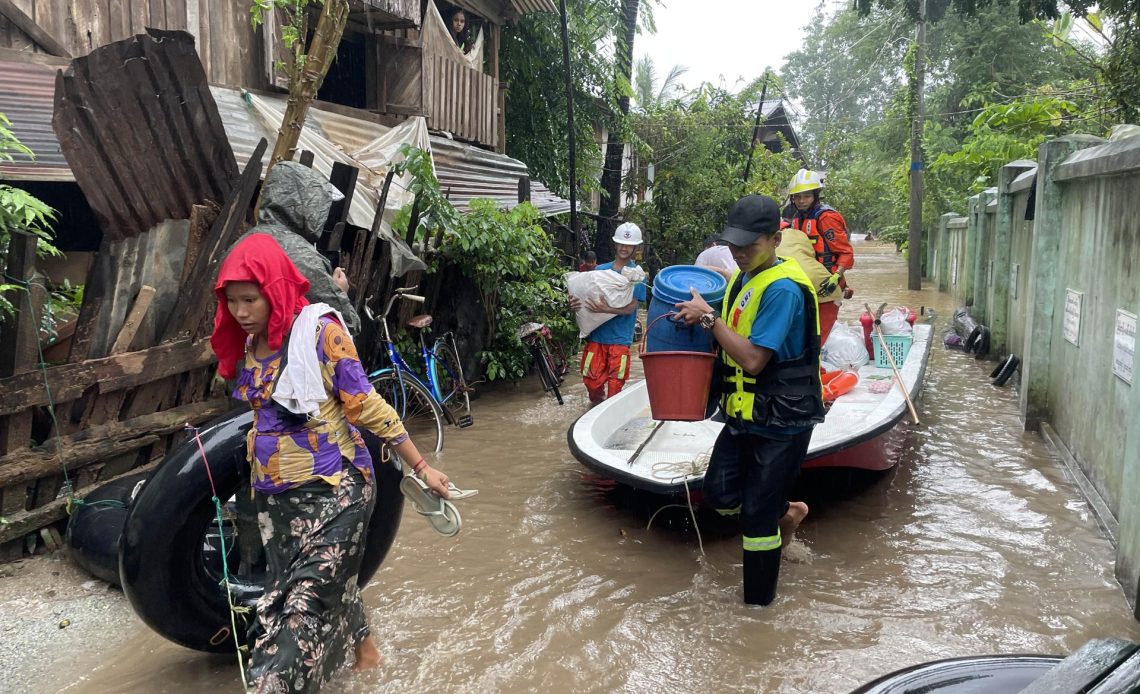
(309, 75)
(611, 171)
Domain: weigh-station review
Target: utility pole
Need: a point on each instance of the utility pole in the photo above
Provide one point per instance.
(573, 173)
(756, 129)
(914, 232)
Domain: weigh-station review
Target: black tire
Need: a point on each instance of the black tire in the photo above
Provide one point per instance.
(421, 414)
(982, 344)
(968, 343)
(1007, 370)
(1000, 366)
(96, 526)
(546, 370)
(449, 376)
(168, 558)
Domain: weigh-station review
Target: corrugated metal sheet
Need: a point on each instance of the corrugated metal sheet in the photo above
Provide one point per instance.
(139, 127)
(464, 172)
(526, 6)
(26, 94)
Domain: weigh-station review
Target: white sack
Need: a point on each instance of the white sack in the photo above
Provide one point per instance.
(845, 348)
(601, 285)
(894, 322)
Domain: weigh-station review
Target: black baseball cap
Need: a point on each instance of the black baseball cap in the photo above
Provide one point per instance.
(751, 216)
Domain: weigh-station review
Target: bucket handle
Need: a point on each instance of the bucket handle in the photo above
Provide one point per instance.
(645, 333)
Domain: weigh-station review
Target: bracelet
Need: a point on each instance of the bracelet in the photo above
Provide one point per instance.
(419, 466)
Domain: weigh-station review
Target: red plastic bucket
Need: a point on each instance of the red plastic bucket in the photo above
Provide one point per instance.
(678, 382)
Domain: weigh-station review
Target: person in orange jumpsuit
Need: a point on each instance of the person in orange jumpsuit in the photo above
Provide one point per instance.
(827, 230)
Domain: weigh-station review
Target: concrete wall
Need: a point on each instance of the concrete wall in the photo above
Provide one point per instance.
(1026, 278)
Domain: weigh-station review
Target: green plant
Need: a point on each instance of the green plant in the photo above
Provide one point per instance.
(519, 277)
(20, 211)
(436, 214)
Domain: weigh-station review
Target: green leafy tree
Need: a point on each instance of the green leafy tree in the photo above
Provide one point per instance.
(699, 147)
(649, 93)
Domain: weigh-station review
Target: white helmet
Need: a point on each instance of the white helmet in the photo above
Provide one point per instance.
(628, 234)
(805, 181)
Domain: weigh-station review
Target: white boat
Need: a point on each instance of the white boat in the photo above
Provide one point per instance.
(620, 440)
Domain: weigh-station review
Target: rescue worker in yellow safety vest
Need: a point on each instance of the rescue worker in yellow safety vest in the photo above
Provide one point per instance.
(827, 231)
(767, 380)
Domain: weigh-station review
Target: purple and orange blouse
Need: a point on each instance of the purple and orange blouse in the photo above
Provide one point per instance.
(288, 450)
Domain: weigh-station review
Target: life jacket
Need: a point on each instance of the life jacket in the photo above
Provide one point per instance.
(809, 224)
(797, 246)
(784, 394)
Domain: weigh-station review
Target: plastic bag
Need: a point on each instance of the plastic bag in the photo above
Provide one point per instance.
(894, 322)
(845, 348)
(611, 287)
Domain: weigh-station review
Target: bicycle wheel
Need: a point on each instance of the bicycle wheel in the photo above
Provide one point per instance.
(419, 411)
(550, 381)
(449, 376)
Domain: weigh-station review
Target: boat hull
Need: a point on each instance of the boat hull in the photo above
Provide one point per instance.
(619, 439)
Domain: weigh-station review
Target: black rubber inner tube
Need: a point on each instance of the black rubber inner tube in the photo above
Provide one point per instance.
(96, 524)
(169, 560)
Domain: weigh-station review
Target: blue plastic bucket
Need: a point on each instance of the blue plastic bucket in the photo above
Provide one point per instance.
(671, 286)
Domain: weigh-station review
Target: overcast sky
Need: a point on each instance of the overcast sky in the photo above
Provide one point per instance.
(730, 38)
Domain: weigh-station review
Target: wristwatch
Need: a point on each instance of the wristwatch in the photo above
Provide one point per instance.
(708, 320)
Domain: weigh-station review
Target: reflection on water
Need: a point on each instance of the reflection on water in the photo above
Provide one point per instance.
(975, 543)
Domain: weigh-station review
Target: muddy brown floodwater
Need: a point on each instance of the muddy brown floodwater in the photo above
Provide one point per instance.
(975, 543)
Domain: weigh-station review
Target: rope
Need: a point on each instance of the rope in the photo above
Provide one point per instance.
(234, 609)
(683, 470)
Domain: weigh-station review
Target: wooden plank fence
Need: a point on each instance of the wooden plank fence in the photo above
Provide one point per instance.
(461, 100)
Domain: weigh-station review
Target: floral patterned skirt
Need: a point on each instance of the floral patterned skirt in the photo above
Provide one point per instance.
(311, 616)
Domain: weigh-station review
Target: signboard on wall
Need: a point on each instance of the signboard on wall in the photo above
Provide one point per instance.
(1071, 327)
(1014, 277)
(1124, 345)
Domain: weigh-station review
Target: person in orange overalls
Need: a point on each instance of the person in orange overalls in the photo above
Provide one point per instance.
(827, 230)
(605, 358)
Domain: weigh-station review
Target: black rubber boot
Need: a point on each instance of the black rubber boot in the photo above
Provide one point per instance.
(761, 571)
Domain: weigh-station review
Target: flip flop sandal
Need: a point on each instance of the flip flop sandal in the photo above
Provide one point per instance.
(440, 513)
(457, 494)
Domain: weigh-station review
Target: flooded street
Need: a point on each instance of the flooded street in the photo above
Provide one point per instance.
(975, 543)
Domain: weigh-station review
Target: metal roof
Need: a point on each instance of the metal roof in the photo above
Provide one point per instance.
(27, 93)
(464, 171)
(527, 6)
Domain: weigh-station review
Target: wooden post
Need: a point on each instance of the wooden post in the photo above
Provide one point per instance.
(17, 355)
(493, 50)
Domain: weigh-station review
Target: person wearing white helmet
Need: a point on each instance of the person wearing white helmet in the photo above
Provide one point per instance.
(605, 358)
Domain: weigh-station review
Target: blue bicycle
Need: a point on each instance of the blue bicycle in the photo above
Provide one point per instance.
(423, 405)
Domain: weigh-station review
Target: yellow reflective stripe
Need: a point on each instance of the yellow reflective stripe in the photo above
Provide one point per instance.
(762, 544)
(586, 363)
(729, 511)
(622, 373)
(740, 404)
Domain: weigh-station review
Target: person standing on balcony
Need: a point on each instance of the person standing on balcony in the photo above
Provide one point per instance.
(461, 31)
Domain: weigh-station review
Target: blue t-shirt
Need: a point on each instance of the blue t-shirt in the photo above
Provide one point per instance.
(779, 326)
(619, 329)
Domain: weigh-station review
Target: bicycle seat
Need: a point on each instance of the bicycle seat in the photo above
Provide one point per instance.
(419, 322)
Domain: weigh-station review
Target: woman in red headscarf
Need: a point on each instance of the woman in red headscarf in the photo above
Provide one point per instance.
(312, 475)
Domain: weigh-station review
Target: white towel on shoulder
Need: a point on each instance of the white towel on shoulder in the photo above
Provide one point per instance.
(300, 387)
